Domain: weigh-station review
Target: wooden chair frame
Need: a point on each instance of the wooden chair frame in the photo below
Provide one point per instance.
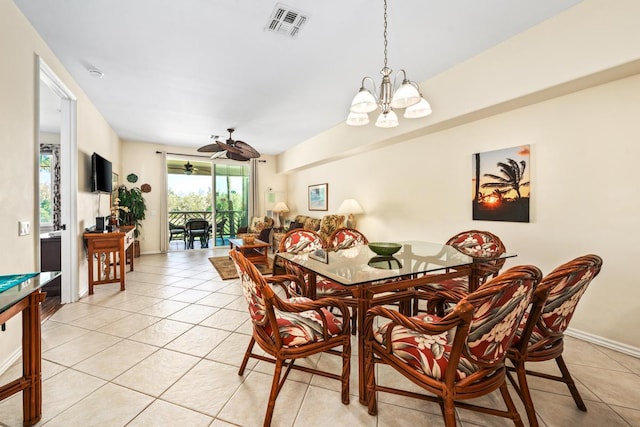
(449, 393)
(284, 356)
(551, 343)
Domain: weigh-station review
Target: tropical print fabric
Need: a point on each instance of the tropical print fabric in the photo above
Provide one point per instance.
(496, 320)
(326, 287)
(476, 244)
(427, 354)
(301, 241)
(492, 329)
(329, 224)
(560, 305)
(296, 329)
(347, 238)
(258, 223)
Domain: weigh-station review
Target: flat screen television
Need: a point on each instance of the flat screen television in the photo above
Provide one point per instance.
(100, 174)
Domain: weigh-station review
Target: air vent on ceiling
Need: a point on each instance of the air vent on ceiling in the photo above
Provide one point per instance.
(286, 20)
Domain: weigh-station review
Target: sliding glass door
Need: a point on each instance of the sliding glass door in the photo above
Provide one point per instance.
(231, 203)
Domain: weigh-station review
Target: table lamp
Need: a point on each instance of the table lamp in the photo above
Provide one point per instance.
(351, 207)
(279, 208)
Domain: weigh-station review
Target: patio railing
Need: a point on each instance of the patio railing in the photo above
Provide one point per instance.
(235, 219)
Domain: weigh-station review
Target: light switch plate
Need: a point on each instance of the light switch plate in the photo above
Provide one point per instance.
(24, 228)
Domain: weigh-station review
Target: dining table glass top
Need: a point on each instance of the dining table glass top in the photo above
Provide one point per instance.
(360, 264)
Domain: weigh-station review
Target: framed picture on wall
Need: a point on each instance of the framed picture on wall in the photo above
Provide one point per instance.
(318, 196)
(501, 185)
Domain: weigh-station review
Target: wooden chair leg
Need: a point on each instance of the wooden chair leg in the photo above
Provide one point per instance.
(370, 381)
(247, 355)
(346, 369)
(525, 394)
(275, 388)
(568, 380)
(511, 407)
(449, 412)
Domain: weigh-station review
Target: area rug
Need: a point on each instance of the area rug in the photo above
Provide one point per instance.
(227, 270)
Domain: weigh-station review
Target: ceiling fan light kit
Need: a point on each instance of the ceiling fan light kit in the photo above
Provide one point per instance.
(407, 96)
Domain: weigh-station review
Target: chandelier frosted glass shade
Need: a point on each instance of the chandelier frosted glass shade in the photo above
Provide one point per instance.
(363, 102)
(405, 96)
(419, 110)
(387, 120)
(357, 119)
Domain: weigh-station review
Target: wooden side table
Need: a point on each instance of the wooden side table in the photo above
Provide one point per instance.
(255, 252)
(107, 251)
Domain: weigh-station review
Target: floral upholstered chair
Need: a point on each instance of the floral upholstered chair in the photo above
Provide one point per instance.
(457, 357)
(297, 241)
(540, 335)
(291, 328)
(344, 238)
(476, 244)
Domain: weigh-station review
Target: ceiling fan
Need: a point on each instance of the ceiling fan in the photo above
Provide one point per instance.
(186, 169)
(234, 150)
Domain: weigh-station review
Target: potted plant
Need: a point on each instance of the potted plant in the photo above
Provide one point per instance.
(132, 210)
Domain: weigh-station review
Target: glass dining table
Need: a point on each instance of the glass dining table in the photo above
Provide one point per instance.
(375, 279)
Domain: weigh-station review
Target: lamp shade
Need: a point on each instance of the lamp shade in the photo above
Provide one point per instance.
(357, 119)
(363, 102)
(416, 111)
(387, 120)
(281, 207)
(405, 96)
(350, 206)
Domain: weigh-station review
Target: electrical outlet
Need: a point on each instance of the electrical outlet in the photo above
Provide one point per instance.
(24, 228)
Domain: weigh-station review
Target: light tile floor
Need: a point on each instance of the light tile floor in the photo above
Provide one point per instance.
(166, 352)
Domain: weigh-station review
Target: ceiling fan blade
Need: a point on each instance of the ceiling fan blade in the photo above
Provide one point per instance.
(246, 150)
(233, 156)
(229, 148)
(211, 148)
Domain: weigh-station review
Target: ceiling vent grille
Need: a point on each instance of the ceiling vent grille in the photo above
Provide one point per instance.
(286, 20)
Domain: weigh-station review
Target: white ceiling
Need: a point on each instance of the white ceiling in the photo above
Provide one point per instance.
(176, 72)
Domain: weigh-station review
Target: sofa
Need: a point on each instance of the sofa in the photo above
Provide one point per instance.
(324, 226)
(259, 226)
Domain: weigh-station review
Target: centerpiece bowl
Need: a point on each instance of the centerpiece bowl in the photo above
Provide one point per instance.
(384, 248)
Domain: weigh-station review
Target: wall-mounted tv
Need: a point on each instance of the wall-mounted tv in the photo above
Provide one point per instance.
(100, 174)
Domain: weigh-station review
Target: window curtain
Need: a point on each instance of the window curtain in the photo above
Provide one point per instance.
(164, 215)
(253, 198)
(54, 150)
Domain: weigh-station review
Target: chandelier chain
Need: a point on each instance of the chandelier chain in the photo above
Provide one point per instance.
(385, 33)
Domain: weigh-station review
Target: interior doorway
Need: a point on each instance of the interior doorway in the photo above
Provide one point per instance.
(55, 136)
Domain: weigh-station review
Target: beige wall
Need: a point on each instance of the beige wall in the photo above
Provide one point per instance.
(19, 45)
(570, 88)
(141, 158)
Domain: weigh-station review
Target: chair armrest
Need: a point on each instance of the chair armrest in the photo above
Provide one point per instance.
(242, 230)
(285, 282)
(461, 315)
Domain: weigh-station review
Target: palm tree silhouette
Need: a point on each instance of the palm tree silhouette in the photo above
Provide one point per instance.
(513, 175)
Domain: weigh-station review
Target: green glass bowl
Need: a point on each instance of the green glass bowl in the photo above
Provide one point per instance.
(385, 249)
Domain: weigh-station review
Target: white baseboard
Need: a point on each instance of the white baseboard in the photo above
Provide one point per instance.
(604, 342)
(10, 360)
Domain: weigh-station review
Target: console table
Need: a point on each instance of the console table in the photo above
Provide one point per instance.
(105, 251)
(20, 293)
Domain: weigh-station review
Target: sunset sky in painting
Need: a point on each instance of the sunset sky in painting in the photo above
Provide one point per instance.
(488, 164)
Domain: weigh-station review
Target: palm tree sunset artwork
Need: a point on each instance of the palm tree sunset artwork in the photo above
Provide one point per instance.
(501, 185)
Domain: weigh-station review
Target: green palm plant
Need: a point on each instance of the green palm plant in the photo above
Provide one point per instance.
(513, 173)
(132, 199)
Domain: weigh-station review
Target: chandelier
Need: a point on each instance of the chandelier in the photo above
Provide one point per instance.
(407, 96)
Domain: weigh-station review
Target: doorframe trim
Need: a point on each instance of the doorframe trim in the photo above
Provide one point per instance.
(68, 180)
